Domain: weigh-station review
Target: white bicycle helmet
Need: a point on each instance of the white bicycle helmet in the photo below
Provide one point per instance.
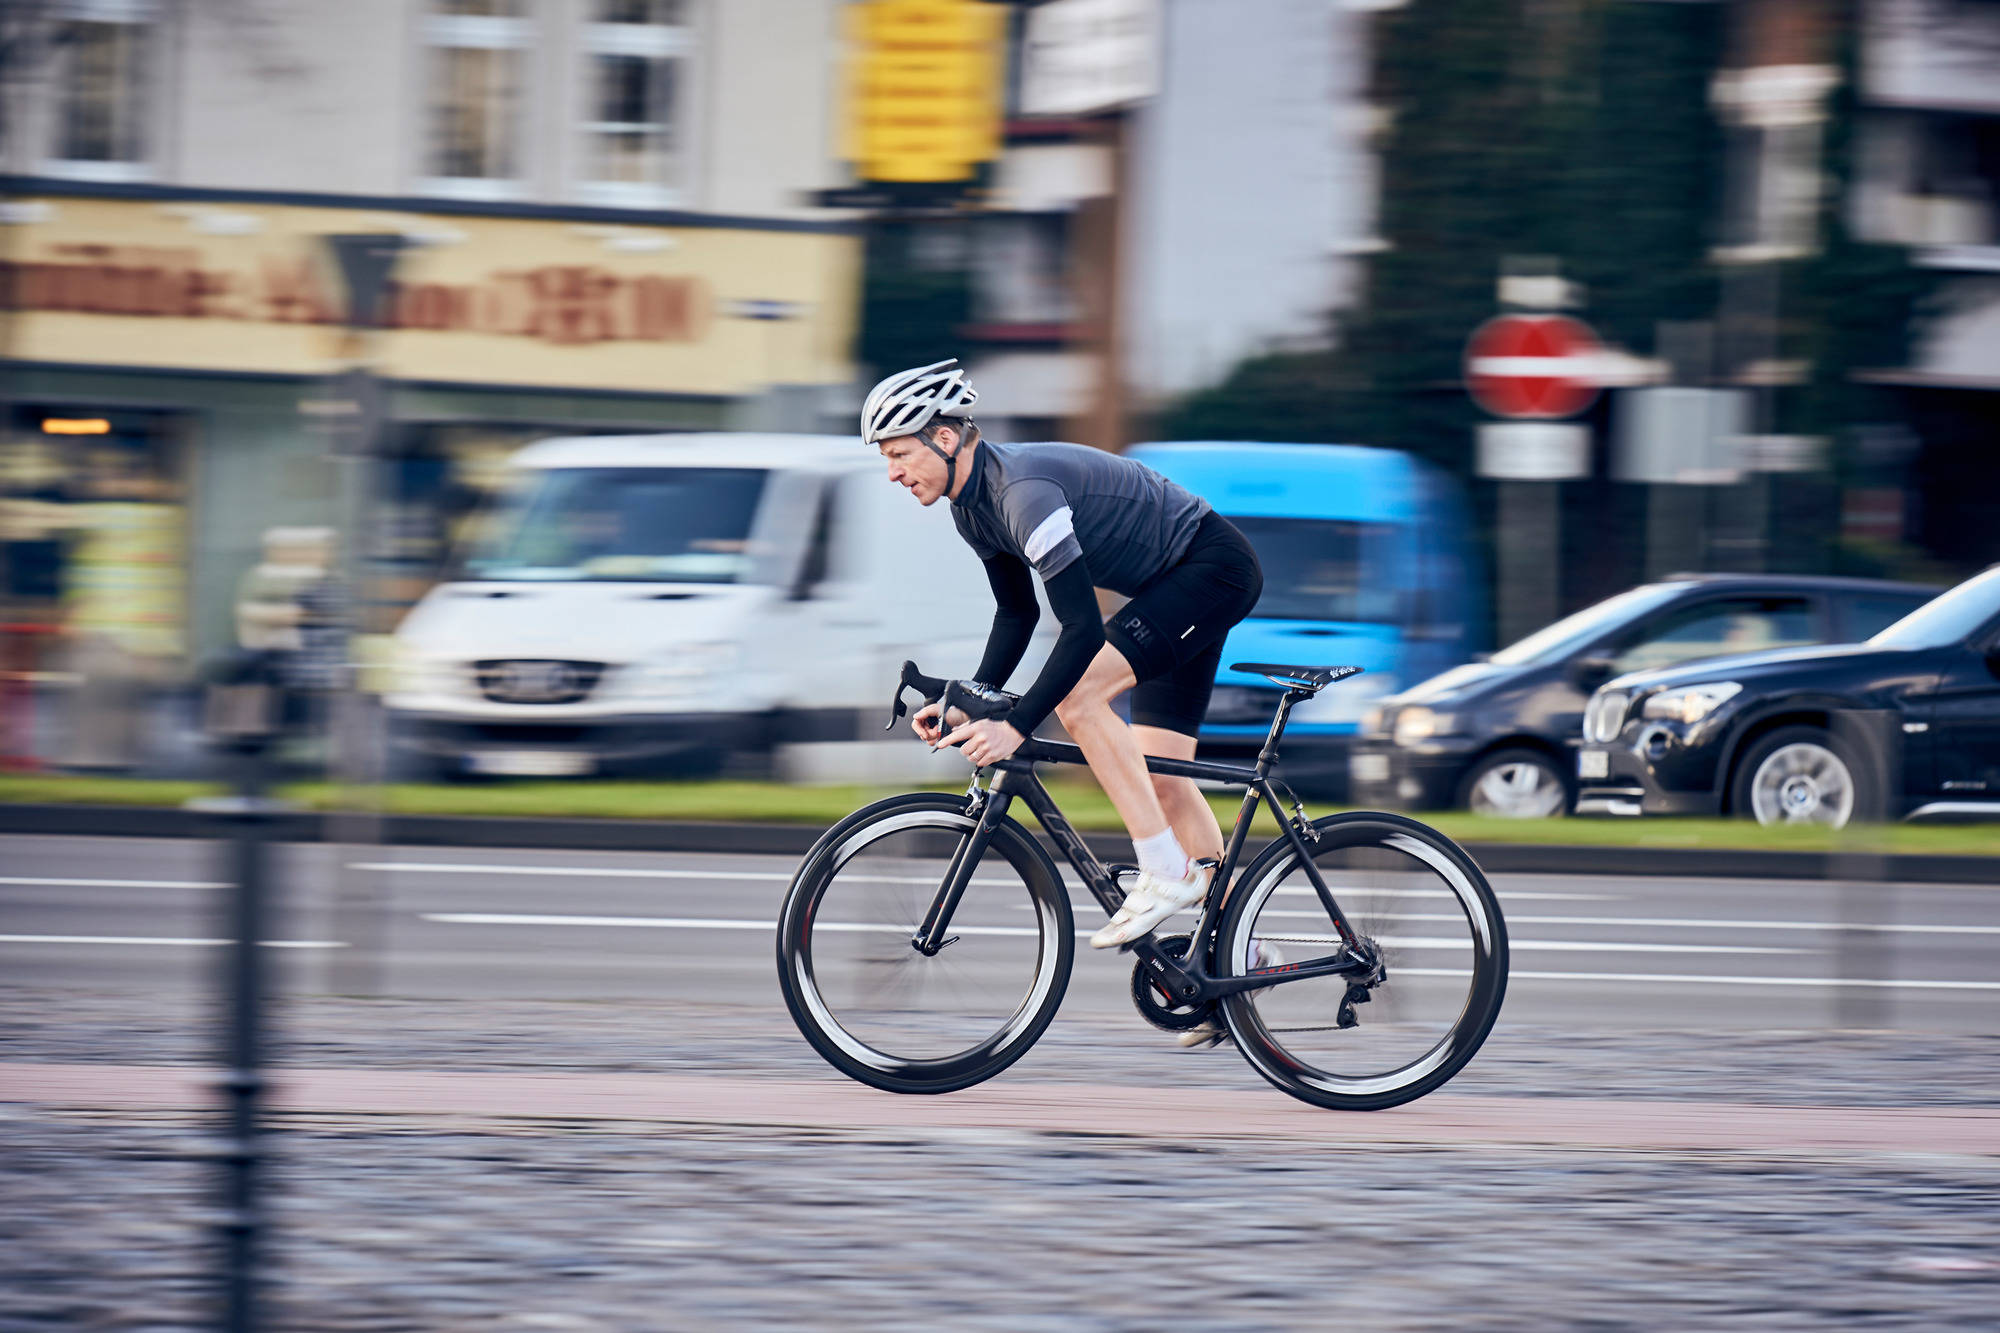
(909, 400)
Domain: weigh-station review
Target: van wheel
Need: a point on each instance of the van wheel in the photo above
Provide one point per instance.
(1516, 784)
(1800, 775)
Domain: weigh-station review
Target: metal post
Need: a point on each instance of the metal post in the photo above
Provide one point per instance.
(244, 709)
(1530, 556)
(243, 1079)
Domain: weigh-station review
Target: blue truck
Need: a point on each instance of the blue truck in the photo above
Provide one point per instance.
(1366, 561)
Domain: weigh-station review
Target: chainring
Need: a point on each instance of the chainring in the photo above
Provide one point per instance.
(1154, 1007)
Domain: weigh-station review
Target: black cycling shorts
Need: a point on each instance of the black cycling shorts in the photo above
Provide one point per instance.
(1172, 629)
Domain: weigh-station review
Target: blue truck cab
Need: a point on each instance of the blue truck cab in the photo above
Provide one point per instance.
(1366, 562)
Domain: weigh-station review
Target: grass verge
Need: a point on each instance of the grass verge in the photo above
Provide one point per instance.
(1080, 798)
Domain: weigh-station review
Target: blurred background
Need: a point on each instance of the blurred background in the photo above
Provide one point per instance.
(489, 369)
(1593, 293)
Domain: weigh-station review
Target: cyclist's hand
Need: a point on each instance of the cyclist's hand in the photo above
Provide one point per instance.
(925, 722)
(985, 741)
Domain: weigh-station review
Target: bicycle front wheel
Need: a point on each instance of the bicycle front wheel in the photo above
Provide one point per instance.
(1423, 906)
(874, 1006)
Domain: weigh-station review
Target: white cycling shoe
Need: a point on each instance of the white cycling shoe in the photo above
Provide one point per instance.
(1152, 900)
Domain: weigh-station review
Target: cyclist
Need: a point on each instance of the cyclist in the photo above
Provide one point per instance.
(1083, 519)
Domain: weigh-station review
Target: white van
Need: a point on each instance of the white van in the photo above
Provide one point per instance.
(680, 598)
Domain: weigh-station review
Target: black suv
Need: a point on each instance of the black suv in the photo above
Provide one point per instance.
(1907, 723)
(1500, 735)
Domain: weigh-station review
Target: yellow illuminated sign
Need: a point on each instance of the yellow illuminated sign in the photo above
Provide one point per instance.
(927, 79)
(76, 426)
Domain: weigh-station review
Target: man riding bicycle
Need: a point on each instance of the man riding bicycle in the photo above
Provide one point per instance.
(1084, 519)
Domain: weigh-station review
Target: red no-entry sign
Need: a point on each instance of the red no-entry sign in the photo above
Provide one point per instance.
(1537, 366)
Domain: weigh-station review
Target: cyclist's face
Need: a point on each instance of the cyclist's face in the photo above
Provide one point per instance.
(915, 468)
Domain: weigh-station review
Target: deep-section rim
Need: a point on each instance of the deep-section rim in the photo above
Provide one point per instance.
(1460, 1042)
(841, 1048)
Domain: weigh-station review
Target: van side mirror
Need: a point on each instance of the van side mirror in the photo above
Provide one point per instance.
(1590, 672)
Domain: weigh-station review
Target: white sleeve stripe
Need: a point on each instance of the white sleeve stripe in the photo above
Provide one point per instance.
(1049, 535)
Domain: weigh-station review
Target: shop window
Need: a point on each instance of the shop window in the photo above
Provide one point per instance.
(635, 89)
(106, 70)
(478, 86)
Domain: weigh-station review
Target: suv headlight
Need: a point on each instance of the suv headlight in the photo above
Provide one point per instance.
(1416, 725)
(1691, 703)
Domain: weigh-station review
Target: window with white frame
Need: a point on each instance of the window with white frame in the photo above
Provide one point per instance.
(635, 87)
(106, 68)
(479, 51)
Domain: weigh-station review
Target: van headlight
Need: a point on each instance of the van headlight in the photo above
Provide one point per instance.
(1689, 704)
(428, 675)
(1349, 701)
(686, 671)
(1417, 725)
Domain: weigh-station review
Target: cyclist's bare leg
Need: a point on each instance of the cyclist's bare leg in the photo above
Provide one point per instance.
(1191, 816)
(1112, 747)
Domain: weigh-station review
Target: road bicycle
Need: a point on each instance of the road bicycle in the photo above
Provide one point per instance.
(1358, 961)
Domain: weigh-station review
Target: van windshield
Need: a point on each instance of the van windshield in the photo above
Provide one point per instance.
(650, 524)
(1319, 569)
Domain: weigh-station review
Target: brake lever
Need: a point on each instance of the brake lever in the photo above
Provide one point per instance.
(930, 688)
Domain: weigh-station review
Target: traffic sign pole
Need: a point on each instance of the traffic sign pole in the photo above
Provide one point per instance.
(1532, 369)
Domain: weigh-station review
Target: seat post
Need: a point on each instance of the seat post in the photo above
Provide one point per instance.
(1269, 754)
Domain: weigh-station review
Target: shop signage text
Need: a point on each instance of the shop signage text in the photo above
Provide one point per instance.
(564, 304)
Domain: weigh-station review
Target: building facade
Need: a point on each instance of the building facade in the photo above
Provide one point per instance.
(602, 221)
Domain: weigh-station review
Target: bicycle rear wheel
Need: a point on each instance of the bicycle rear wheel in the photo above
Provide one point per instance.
(1428, 911)
(874, 1006)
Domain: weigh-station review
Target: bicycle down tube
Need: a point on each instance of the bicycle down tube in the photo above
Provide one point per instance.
(1190, 979)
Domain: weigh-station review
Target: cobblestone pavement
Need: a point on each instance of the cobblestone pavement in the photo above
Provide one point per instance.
(447, 1223)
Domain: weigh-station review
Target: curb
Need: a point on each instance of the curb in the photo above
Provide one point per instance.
(637, 835)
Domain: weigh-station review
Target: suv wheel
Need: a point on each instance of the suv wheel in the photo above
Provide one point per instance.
(1798, 775)
(1515, 784)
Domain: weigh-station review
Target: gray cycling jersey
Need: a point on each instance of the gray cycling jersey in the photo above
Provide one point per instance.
(1050, 503)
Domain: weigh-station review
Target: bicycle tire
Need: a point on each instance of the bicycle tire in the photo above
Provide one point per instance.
(1277, 1058)
(803, 932)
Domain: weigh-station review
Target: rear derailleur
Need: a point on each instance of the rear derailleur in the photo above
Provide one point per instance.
(1360, 989)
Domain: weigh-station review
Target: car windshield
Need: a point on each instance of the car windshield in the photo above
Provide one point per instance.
(659, 525)
(1574, 631)
(1317, 569)
(1947, 618)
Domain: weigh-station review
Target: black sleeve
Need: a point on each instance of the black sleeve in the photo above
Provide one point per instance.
(1074, 600)
(1013, 619)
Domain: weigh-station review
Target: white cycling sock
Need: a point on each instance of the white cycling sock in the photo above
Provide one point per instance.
(1161, 855)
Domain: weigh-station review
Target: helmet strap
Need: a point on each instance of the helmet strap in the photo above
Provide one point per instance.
(950, 460)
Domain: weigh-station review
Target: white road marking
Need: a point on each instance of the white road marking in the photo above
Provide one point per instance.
(1383, 895)
(165, 940)
(785, 876)
(635, 872)
(30, 882)
(725, 923)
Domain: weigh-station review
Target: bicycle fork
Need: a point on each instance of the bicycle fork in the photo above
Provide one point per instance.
(930, 938)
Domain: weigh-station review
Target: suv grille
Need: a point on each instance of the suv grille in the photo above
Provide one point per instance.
(535, 681)
(1605, 717)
